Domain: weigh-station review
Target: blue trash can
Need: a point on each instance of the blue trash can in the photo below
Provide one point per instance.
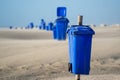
(11, 27)
(61, 28)
(49, 27)
(54, 33)
(40, 27)
(43, 24)
(31, 25)
(80, 40)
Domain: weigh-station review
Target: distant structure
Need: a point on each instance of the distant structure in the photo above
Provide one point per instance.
(118, 25)
(16, 27)
(21, 27)
(92, 25)
(103, 25)
(36, 26)
(11, 27)
(27, 27)
(115, 25)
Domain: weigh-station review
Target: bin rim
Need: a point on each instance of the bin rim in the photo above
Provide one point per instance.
(81, 30)
(62, 19)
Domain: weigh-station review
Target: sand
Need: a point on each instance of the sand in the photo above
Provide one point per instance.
(34, 55)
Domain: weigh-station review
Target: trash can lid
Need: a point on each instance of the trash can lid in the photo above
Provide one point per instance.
(50, 24)
(42, 21)
(78, 30)
(62, 20)
(61, 11)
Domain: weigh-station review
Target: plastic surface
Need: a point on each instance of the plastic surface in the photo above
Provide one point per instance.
(42, 25)
(54, 33)
(50, 26)
(11, 27)
(80, 40)
(61, 28)
(47, 28)
(61, 11)
(31, 25)
(69, 31)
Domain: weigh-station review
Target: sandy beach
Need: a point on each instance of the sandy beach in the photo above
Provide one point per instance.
(34, 55)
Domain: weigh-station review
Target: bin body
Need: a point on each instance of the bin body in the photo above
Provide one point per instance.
(69, 31)
(40, 27)
(31, 25)
(61, 28)
(54, 32)
(47, 28)
(50, 26)
(80, 40)
(43, 24)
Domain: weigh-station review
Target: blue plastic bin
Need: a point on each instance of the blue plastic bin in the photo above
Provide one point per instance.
(61, 12)
(40, 27)
(80, 40)
(50, 26)
(47, 28)
(54, 33)
(31, 25)
(61, 28)
(43, 24)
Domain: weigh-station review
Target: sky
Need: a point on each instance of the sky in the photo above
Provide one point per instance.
(22, 12)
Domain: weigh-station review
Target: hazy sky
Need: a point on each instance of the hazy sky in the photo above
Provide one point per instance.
(21, 12)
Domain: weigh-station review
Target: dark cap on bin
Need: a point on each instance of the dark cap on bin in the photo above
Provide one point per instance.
(61, 12)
